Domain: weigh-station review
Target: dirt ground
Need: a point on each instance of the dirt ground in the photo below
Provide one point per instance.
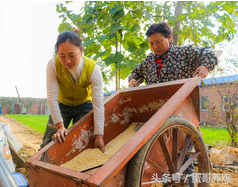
(31, 141)
(29, 138)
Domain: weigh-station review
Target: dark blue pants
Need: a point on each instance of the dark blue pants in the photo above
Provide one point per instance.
(68, 113)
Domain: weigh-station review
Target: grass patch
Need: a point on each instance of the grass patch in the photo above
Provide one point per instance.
(216, 136)
(36, 122)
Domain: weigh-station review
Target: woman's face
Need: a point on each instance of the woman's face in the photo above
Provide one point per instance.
(69, 55)
(159, 44)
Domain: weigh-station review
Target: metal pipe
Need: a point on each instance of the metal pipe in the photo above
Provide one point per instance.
(6, 177)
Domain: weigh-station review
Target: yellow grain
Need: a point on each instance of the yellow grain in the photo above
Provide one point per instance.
(90, 158)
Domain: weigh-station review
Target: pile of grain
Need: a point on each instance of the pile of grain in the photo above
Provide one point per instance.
(90, 158)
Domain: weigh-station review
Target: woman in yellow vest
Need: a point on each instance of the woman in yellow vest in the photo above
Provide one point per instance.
(74, 87)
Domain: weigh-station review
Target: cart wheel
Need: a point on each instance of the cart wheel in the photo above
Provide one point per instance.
(166, 155)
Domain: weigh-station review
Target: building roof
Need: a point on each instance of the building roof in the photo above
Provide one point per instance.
(219, 80)
(108, 93)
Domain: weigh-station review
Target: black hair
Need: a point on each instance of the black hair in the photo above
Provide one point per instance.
(160, 27)
(70, 36)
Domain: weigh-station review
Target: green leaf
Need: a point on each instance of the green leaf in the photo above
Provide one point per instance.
(147, 15)
(132, 48)
(110, 59)
(92, 10)
(212, 6)
(100, 54)
(207, 23)
(217, 39)
(114, 27)
(87, 43)
(133, 45)
(144, 45)
(102, 38)
(118, 15)
(181, 17)
(119, 57)
(115, 9)
(111, 35)
(67, 2)
(91, 20)
(132, 64)
(135, 27)
(64, 26)
(77, 17)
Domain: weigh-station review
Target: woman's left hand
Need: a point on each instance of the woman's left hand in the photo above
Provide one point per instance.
(201, 71)
(99, 142)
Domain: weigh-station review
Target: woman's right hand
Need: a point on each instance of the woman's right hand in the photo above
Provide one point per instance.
(99, 142)
(60, 134)
(133, 83)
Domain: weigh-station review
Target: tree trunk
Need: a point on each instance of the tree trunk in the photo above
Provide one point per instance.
(178, 10)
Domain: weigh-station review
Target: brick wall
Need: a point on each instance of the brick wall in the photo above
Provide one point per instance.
(10, 105)
(214, 114)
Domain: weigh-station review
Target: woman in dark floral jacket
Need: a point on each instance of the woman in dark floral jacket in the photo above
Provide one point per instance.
(167, 62)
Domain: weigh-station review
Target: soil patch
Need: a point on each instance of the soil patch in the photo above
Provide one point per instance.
(27, 136)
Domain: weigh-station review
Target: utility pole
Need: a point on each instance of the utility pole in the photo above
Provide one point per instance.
(18, 94)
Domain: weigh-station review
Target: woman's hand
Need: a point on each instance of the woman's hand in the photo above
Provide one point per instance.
(60, 134)
(201, 71)
(133, 83)
(99, 142)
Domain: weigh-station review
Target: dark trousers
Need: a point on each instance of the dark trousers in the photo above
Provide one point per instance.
(68, 113)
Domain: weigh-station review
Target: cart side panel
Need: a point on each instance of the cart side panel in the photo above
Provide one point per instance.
(117, 119)
(196, 100)
(119, 180)
(134, 106)
(42, 178)
(189, 109)
(80, 137)
(143, 104)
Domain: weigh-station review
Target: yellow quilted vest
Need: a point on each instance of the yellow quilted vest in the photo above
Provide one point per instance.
(74, 93)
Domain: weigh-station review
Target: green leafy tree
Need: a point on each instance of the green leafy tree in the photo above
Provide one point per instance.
(114, 31)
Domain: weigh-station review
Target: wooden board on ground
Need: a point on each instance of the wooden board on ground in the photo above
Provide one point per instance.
(17, 159)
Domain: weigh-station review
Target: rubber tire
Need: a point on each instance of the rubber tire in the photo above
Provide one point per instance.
(136, 164)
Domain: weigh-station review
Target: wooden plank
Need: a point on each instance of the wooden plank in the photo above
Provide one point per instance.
(17, 158)
(166, 154)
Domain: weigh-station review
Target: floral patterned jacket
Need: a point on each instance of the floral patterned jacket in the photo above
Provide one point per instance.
(179, 62)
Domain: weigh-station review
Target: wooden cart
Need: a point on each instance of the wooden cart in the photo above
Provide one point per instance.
(170, 113)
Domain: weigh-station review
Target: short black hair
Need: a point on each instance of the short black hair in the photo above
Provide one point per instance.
(160, 27)
(71, 36)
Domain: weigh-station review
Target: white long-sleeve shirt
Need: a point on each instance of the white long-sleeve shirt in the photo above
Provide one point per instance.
(96, 81)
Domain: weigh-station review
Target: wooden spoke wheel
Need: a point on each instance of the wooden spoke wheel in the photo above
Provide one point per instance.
(167, 154)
